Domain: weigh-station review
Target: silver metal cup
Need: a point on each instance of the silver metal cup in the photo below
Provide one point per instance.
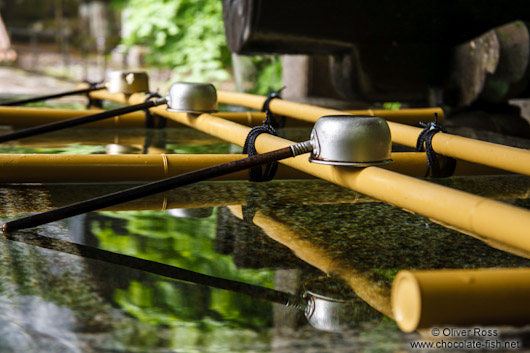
(348, 140)
(192, 98)
(127, 82)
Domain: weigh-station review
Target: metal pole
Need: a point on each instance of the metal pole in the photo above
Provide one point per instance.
(32, 131)
(51, 96)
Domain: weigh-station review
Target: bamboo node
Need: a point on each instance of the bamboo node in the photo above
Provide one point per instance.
(165, 163)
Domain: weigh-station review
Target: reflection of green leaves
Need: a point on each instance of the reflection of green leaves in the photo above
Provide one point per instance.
(223, 147)
(57, 105)
(387, 273)
(185, 243)
(392, 105)
(75, 148)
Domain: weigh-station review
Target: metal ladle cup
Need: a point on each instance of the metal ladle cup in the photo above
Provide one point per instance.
(192, 98)
(356, 141)
(127, 82)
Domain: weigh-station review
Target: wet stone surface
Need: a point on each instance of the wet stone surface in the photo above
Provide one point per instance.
(52, 300)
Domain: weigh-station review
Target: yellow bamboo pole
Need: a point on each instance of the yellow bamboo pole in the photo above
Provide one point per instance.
(116, 97)
(512, 159)
(65, 138)
(405, 116)
(25, 117)
(450, 298)
(470, 214)
(39, 168)
(56, 168)
(412, 116)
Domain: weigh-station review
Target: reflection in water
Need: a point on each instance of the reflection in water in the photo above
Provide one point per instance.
(328, 303)
(186, 315)
(114, 308)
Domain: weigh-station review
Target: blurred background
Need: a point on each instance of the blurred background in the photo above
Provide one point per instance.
(174, 40)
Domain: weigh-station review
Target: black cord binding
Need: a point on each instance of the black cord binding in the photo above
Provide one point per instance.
(268, 127)
(150, 124)
(149, 118)
(256, 174)
(93, 102)
(281, 119)
(437, 165)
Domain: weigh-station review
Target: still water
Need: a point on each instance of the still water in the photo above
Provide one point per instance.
(65, 288)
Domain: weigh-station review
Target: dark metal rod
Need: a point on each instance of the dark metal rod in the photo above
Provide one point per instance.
(37, 130)
(51, 96)
(156, 187)
(155, 268)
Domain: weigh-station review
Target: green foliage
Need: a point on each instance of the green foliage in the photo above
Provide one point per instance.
(269, 74)
(223, 147)
(188, 37)
(185, 35)
(56, 104)
(392, 105)
(74, 148)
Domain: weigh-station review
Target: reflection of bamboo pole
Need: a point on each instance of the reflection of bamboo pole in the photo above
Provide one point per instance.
(422, 299)
(508, 158)
(54, 168)
(375, 294)
(471, 214)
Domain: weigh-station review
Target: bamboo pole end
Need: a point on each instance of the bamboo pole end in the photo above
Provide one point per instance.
(406, 301)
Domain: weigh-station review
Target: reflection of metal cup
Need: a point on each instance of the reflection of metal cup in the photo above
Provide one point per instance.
(199, 212)
(192, 98)
(114, 148)
(351, 141)
(326, 313)
(127, 82)
(335, 307)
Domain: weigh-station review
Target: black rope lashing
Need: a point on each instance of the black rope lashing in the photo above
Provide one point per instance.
(149, 118)
(437, 165)
(265, 108)
(93, 102)
(257, 174)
